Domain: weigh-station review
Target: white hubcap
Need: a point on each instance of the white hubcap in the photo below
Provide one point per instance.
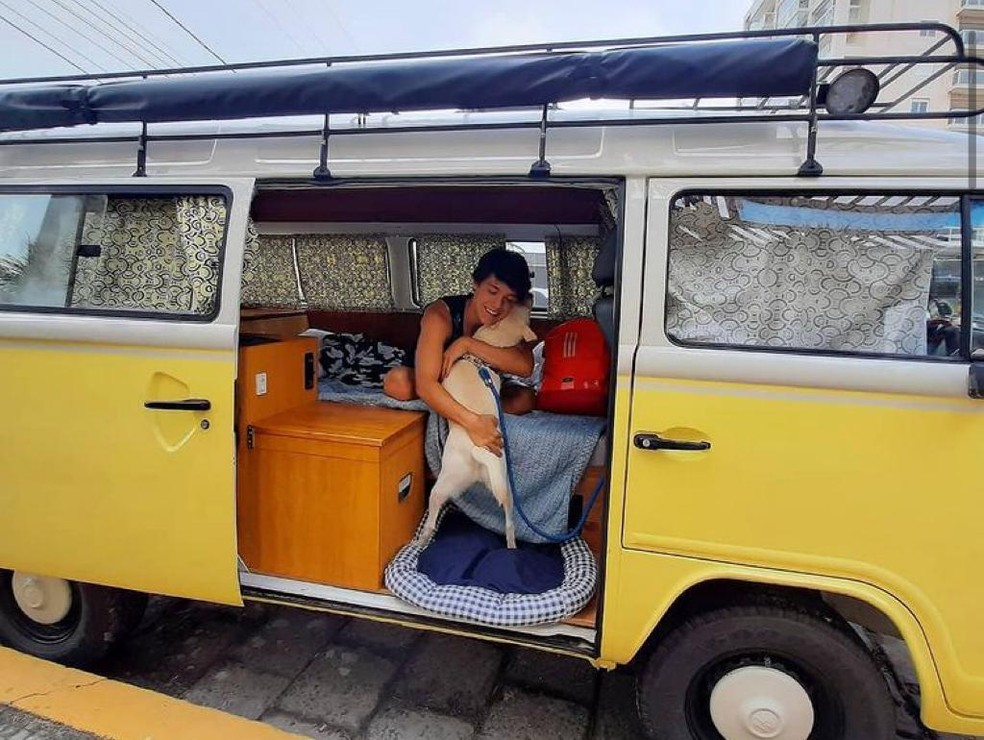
(45, 600)
(757, 702)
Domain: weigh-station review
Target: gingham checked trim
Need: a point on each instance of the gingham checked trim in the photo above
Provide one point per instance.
(486, 606)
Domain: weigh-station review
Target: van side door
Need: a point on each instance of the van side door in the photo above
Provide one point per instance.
(801, 400)
(119, 306)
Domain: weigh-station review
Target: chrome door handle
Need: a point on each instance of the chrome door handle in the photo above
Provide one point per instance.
(655, 442)
(186, 404)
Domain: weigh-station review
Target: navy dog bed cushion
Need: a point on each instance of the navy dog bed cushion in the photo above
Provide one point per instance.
(464, 554)
(485, 561)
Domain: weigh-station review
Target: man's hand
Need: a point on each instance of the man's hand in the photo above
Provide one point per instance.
(484, 432)
(457, 349)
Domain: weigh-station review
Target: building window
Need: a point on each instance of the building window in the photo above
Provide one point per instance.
(972, 3)
(919, 105)
(927, 32)
(973, 37)
(857, 12)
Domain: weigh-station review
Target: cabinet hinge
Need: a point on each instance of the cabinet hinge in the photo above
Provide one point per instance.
(249, 438)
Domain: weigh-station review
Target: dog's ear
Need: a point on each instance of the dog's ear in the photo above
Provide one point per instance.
(528, 335)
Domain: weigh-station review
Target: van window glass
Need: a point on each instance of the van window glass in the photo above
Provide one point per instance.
(535, 254)
(111, 253)
(862, 273)
(38, 234)
(977, 309)
(151, 254)
(443, 263)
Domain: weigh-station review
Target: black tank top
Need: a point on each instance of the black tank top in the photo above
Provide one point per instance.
(456, 307)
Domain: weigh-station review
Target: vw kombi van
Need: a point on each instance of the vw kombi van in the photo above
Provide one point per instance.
(788, 269)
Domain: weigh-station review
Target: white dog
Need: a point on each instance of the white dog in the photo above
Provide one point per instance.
(462, 463)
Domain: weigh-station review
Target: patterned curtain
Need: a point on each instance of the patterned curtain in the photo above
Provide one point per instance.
(269, 278)
(570, 260)
(445, 262)
(157, 254)
(343, 272)
(201, 228)
(739, 282)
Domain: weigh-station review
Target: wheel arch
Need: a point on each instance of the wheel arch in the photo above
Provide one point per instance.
(835, 600)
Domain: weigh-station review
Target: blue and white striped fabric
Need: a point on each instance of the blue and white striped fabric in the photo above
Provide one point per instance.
(485, 606)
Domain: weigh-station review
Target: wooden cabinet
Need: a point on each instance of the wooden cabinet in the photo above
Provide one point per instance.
(334, 491)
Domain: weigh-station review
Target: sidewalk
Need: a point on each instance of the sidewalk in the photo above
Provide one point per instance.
(85, 706)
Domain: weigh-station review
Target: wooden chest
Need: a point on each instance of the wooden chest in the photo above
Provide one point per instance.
(334, 491)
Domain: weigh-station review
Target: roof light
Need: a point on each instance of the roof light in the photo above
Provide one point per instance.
(852, 93)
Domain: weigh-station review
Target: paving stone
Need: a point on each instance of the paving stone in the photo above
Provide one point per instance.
(450, 674)
(617, 716)
(568, 678)
(298, 726)
(518, 715)
(18, 725)
(237, 689)
(340, 687)
(288, 641)
(400, 723)
(387, 639)
(171, 654)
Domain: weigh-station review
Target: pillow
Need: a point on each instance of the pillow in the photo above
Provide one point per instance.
(355, 360)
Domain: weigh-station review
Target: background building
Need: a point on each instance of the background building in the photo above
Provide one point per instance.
(948, 91)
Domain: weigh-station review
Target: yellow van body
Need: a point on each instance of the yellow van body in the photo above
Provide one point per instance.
(833, 479)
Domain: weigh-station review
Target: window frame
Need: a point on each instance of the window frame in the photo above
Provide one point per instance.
(965, 199)
(136, 190)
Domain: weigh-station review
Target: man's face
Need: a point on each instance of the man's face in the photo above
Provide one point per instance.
(493, 300)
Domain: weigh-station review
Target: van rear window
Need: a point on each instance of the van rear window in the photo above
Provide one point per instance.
(97, 253)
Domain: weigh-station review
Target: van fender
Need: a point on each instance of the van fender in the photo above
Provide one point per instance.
(643, 589)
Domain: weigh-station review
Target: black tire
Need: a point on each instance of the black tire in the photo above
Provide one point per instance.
(96, 619)
(134, 608)
(850, 697)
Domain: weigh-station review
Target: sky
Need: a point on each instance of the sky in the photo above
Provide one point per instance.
(117, 35)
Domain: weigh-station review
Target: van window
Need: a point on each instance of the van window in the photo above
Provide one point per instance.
(442, 263)
(344, 272)
(977, 309)
(97, 252)
(861, 273)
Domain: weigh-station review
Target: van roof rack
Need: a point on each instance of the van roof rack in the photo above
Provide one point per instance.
(741, 77)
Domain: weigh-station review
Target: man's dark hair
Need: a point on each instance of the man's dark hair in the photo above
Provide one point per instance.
(507, 267)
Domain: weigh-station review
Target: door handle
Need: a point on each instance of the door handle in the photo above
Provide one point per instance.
(186, 404)
(655, 442)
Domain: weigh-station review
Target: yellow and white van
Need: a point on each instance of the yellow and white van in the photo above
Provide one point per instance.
(793, 293)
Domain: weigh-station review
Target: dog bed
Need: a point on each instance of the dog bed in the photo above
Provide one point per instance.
(496, 569)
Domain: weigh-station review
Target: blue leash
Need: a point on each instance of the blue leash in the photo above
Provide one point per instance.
(486, 377)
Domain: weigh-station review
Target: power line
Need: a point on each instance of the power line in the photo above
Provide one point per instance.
(341, 26)
(321, 46)
(275, 19)
(117, 21)
(76, 31)
(188, 31)
(40, 42)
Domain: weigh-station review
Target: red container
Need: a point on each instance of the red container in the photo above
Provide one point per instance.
(575, 370)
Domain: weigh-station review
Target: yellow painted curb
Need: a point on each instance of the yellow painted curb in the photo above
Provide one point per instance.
(111, 709)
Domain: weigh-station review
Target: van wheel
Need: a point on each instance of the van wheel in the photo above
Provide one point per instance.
(64, 621)
(763, 672)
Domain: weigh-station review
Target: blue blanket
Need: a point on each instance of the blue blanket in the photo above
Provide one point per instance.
(549, 454)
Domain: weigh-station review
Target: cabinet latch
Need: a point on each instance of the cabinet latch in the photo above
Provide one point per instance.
(249, 438)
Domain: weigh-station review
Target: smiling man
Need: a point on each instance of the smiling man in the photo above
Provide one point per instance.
(501, 281)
